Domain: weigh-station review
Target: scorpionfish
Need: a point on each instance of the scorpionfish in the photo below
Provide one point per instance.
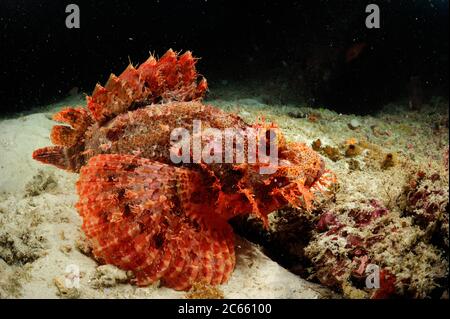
(142, 212)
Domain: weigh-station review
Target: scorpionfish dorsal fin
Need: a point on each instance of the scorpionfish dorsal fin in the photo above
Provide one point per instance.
(171, 78)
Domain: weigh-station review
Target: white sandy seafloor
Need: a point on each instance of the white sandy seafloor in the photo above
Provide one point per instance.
(40, 228)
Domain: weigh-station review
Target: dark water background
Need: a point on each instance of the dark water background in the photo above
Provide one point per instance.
(299, 43)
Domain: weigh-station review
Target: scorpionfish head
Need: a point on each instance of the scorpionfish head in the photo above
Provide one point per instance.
(294, 176)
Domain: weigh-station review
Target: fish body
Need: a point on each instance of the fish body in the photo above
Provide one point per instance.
(162, 219)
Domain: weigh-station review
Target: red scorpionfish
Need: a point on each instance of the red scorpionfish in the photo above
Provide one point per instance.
(144, 213)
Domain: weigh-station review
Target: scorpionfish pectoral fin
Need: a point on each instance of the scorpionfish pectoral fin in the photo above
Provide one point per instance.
(135, 218)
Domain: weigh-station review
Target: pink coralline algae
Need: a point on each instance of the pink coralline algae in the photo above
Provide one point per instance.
(347, 241)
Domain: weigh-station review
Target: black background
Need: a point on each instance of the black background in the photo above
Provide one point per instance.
(291, 308)
(41, 60)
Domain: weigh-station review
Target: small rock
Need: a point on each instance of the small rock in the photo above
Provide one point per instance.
(354, 124)
(83, 246)
(64, 291)
(316, 145)
(66, 249)
(204, 291)
(354, 165)
(108, 276)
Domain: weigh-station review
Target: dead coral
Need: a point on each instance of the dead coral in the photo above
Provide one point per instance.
(347, 240)
(427, 198)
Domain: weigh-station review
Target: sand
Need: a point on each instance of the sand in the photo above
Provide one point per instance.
(40, 228)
